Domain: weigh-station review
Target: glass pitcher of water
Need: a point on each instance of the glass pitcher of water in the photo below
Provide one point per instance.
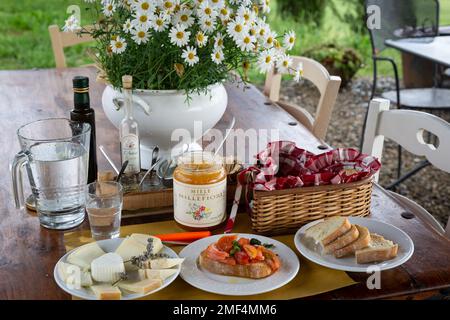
(55, 154)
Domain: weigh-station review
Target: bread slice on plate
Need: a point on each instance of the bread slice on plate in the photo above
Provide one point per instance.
(344, 240)
(328, 230)
(379, 249)
(360, 243)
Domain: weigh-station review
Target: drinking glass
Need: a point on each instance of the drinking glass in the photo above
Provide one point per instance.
(104, 207)
(55, 154)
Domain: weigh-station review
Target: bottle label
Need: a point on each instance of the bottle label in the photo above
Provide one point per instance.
(199, 206)
(130, 152)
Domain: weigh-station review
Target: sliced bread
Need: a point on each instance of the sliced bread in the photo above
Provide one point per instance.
(344, 240)
(328, 230)
(379, 249)
(360, 243)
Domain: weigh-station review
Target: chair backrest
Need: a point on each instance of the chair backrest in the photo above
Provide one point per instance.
(327, 85)
(407, 128)
(404, 19)
(61, 40)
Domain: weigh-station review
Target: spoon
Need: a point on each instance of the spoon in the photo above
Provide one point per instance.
(148, 171)
(111, 163)
(122, 170)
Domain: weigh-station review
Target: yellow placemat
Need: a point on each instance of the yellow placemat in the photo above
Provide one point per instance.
(312, 278)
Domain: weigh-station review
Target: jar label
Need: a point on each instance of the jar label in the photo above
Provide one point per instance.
(199, 206)
(130, 151)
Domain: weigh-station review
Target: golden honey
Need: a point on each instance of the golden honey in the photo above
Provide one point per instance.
(199, 191)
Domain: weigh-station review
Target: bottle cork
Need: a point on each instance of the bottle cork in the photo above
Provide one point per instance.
(127, 82)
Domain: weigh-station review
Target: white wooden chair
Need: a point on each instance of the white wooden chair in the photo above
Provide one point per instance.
(407, 128)
(327, 85)
(61, 40)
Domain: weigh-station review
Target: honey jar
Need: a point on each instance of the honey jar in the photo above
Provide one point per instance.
(199, 191)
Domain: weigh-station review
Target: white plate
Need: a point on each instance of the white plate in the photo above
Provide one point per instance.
(202, 279)
(405, 247)
(111, 245)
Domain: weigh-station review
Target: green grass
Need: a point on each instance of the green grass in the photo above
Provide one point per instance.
(26, 43)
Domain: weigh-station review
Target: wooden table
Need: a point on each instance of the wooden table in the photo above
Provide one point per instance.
(28, 252)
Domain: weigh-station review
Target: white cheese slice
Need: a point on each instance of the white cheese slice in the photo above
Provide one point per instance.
(107, 268)
(143, 239)
(162, 274)
(106, 292)
(142, 287)
(165, 263)
(73, 275)
(84, 255)
(130, 248)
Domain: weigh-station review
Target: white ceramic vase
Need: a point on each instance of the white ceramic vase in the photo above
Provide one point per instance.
(161, 112)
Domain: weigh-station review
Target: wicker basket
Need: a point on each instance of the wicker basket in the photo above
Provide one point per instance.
(284, 211)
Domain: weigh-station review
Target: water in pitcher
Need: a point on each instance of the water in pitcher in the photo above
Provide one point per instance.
(58, 177)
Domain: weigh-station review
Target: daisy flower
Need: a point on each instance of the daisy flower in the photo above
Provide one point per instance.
(140, 35)
(201, 39)
(118, 45)
(269, 40)
(217, 56)
(298, 73)
(169, 5)
(71, 24)
(127, 26)
(218, 4)
(208, 25)
(190, 56)
(179, 36)
(184, 17)
(263, 28)
(225, 13)
(289, 40)
(159, 22)
(236, 28)
(284, 63)
(108, 8)
(266, 60)
(218, 41)
(206, 11)
(265, 4)
(141, 19)
(246, 42)
(247, 14)
(143, 5)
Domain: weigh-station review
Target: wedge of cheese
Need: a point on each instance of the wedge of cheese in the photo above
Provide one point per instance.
(107, 268)
(84, 255)
(142, 286)
(130, 248)
(143, 239)
(162, 274)
(74, 275)
(165, 263)
(106, 292)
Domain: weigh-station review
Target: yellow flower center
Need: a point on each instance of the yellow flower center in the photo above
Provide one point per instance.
(143, 18)
(168, 4)
(184, 18)
(246, 17)
(238, 28)
(145, 6)
(208, 11)
(224, 12)
(191, 56)
(110, 7)
(268, 59)
(159, 22)
(269, 40)
(200, 37)
(114, 37)
(220, 42)
(119, 44)
(285, 63)
(252, 32)
(218, 55)
(180, 34)
(247, 40)
(208, 23)
(141, 34)
(291, 40)
(262, 32)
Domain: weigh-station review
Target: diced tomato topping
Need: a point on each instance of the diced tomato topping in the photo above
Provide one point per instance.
(243, 241)
(259, 255)
(251, 251)
(242, 258)
(226, 243)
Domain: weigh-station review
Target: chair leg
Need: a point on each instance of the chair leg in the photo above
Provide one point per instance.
(399, 164)
(374, 86)
(408, 175)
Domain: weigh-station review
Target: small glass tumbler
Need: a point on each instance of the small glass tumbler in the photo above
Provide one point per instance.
(104, 208)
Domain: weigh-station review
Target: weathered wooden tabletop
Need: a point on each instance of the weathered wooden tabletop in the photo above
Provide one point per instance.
(28, 253)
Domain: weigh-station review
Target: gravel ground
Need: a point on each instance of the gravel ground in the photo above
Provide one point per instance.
(430, 187)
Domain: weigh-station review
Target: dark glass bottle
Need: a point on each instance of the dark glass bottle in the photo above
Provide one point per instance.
(83, 112)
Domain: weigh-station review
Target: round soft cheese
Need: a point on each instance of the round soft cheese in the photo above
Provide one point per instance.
(107, 268)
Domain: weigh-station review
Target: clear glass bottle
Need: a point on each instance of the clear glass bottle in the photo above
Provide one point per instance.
(129, 132)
